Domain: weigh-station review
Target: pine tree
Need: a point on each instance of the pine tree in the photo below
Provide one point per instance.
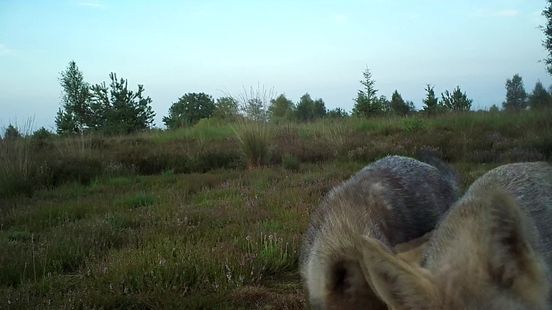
(431, 102)
(366, 102)
(540, 98)
(458, 101)
(516, 97)
(74, 115)
(118, 110)
(400, 107)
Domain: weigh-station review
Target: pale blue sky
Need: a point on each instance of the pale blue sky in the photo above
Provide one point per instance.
(220, 47)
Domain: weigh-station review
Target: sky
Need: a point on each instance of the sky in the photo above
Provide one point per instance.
(292, 47)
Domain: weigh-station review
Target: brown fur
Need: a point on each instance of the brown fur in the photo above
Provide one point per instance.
(412, 251)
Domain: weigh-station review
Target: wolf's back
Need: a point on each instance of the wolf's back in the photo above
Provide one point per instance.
(531, 185)
(395, 199)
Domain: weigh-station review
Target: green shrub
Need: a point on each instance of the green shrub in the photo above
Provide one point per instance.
(290, 162)
(138, 200)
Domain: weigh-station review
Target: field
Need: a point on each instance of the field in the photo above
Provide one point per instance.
(209, 216)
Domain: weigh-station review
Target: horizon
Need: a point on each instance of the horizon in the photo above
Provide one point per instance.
(223, 48)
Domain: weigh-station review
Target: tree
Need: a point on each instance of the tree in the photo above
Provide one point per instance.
(309, 109)
(305, 108)
(383, 104)
(74, 114)
(431, 103)
(319, 108)
(226, 108)
(539, 98)
(255, 109)
(494, 109)
(11, 132)
(281, 108)
(457, 101)
(42, 134)
(400, 107)
(366, 102)
(189, 109)
(516, 97)
(118, 110)
(547, 43)
(337, 113)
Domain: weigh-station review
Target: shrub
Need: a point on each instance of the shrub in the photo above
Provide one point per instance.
(138, 200)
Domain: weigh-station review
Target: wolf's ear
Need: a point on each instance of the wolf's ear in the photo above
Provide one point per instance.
(399, 284)
(512, 261)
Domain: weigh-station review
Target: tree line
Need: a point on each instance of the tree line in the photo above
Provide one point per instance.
(115, 109)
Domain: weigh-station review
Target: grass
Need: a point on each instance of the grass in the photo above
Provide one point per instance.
(254, 141)
(161, 224)
(210, 235)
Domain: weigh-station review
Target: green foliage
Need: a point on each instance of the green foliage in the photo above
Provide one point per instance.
(547, 29)
(516, 97)
(227, 238)
(413, 125)
(139, 200)
(190, 108)
(367, 103)
(290, 162)
(309, 109)
(457, 101)
(281, 109)
(11, 132)
(254, 142)
(255, 110)
(337, 113)
(74, 115)
(254, 103)
(431, 103)
(400, 107)
(118, 110)
(539, 98)
(226, 108)
(42, 134)
(319, 108)
(494, 109)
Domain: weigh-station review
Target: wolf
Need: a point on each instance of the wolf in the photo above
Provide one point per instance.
(492, 250)
(394, 200)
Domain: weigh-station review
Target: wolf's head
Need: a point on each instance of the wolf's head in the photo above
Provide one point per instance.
(480, 257)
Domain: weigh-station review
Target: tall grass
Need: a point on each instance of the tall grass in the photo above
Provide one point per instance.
(17, 169)
(468, 137)
(254, 139)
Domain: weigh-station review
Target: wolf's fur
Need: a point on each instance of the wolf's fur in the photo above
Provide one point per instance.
(394, 200)
(491, 251)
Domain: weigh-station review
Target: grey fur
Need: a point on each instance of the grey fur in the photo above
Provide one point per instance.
(530, 184)
(395, 199)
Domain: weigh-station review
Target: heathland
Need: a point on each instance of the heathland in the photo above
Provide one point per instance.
(208, 216)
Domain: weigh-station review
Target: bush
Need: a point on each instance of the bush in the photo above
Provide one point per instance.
(74, 169)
